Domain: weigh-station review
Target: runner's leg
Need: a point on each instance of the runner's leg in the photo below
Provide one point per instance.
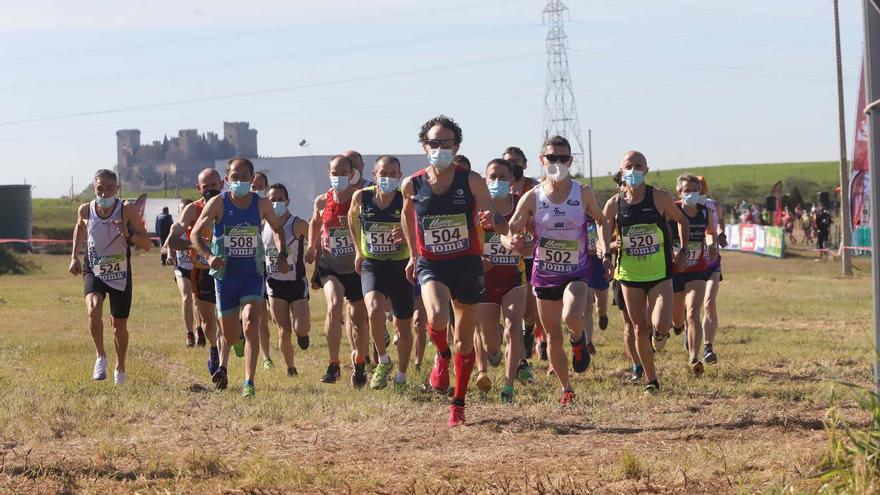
(95, 308)
(550, 314)
(333, 294)
(186, 300)
(636, 301)
(120, 341)
(710, 319)
(695, 291)
(513, 306)
(281, 314)
(251, 315)
(265, 346)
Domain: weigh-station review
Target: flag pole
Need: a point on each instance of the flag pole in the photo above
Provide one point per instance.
(845, 212)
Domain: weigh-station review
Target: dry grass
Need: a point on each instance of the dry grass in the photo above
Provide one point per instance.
(752, 423)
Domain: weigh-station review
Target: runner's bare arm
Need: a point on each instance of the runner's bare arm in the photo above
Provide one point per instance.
(354, 226)
(135, 231)
(610, 213)
(666, 207)
(485, 204)
(79, 234)
(407, 222)
(210, 214)
(187, 217)
(277, 225)
(591, 206)
(315, 229)
(525, 209)
(300, 228)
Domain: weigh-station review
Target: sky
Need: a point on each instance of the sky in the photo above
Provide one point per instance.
(688, 82)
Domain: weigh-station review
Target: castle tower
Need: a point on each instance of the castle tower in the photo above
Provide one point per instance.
(241, 137)
(127, 143)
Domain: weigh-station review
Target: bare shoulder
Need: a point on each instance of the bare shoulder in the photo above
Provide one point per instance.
(320, 200)
(356, 197)
(83, 211)
(406, 187)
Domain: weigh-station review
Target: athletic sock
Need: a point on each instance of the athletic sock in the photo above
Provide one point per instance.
(360, 360)
(386, 359)
(539, 331)
(400, 377)
(464, 366)
(438, 337)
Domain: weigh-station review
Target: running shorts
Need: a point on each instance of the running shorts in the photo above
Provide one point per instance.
(182, 272)
(499, 283)
(556, 292)
(680, 279)
(203, 285)
(120, 300)
(597, 280)
(388, 277)
(288, 290)
(463, 276)
(351, 283)
(233, 291)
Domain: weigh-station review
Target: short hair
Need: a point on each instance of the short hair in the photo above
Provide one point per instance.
(502, 162)
(704, 186)
(389, 159)
(556, 140)
(164, 209)
(105, 173)
(263, 175)
(280, 186)
(690, 178)
(343, 158)
(185, 201)
(242, 159)
(461, 160)
(442, 121)
(513, 150)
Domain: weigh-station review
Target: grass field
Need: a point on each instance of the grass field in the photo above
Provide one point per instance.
(754, 422)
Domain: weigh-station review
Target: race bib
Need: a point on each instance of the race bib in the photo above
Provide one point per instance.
(379, 239)
(592, 237)
(201, 259)
(108, 268)
(445, 234)
(182, 257)
(341, 243)
(641, 240)
(272, 260)
(695, 253)
(558, 256)
(241, 241)
(496, 252)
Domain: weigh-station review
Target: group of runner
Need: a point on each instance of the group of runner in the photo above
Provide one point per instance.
(467, 260)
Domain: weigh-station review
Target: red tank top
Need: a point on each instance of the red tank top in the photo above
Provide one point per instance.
(335, 234)
(197, 259)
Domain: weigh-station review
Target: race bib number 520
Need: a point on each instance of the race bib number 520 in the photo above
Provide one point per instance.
(641, 240)
(445, 234)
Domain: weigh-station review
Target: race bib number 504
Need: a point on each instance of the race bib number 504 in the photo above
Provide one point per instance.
(445, 233)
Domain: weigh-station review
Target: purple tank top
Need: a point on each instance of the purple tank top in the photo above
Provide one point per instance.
(560, 239)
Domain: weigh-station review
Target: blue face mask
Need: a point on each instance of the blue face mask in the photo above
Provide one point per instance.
(388, 184)
(339, 183)
(499, 188)
(239, 188)
(633, 178)
(279, 208)
(690, 198)
(702, 199)
(261, 194)
(105, 202)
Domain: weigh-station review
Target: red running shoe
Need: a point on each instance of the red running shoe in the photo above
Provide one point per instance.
(456, 415)
(439, 378)
(567, 397)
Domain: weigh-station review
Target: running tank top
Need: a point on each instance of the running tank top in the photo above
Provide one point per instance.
(199, 261)
(503, 260)
(108, 255)
(560, 239)
(698, 258)
(592, 236)
(237, 237)
(713, 210)
(337, 245)
(295, 262)
(182, 258)
(377, 224)
(645, 254)
(445, 227)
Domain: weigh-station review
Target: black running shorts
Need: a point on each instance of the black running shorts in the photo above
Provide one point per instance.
(388, 277)
(120, 300)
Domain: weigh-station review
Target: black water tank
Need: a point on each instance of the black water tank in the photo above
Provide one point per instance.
(15, 215)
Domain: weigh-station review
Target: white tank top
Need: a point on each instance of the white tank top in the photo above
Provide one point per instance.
(108, 254)
(293, 252)
(183, 258)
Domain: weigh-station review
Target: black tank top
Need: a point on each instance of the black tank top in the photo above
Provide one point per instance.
(643, 213)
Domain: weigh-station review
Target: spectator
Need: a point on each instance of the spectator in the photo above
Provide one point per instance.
(822, 222)
(163, 228)
(788, 224)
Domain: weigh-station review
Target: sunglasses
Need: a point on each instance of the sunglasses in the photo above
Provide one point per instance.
(558, 158)
(437, 143)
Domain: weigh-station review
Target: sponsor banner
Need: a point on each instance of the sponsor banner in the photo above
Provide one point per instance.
(773, 241)
(769, 241)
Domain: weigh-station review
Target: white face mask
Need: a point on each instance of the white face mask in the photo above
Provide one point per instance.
(557, 172)
(440, 158)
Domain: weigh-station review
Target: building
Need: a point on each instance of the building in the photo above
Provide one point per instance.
(181, 158)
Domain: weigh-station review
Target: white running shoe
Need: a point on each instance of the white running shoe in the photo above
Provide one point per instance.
(100, 372)
(118, 377)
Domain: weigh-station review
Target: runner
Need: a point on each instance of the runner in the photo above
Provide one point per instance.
(505, 289)
(209, 184)
(288, 292)
(531, 325)
(335, 272)
(689, 284)
(440, 211)
(182, 273)
(237, 265)
(558, 209)
(260, 187)
(380, 258)
(597, 282)
(110, 226)
(638, 217)
(710, 316)
(461, 161)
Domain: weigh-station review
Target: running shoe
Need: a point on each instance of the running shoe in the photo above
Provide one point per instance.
(580, 354)
(190, 339)
(591, 348)
(118, 377)
(495, 359)
(238, 347)
(201, 341)
(292, 371)
(542, 350)
(332, 374)
(100, 371)
(678, 330)
(380, 376)
(568, 397)
(603, 322)
(439, 378)
(248, 390)
(359, 376)
(302, 341)
(636, 374)
(268, 364)
(709, 355)
(484, 383)
(658, 340)
(507, 394)
(524, 372)
(529, 339)
(213, 360)
(697, 368)
(221, 381)
(456, 416)
(652, 388)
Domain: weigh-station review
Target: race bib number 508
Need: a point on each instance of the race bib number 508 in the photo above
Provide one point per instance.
(241, 241)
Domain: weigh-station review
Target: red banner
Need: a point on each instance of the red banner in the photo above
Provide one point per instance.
(860, 165)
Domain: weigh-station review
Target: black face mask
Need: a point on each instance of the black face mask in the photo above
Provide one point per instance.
(517, 172)
(210, 193)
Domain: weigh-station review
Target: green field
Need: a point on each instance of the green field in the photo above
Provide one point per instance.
(754, 422)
